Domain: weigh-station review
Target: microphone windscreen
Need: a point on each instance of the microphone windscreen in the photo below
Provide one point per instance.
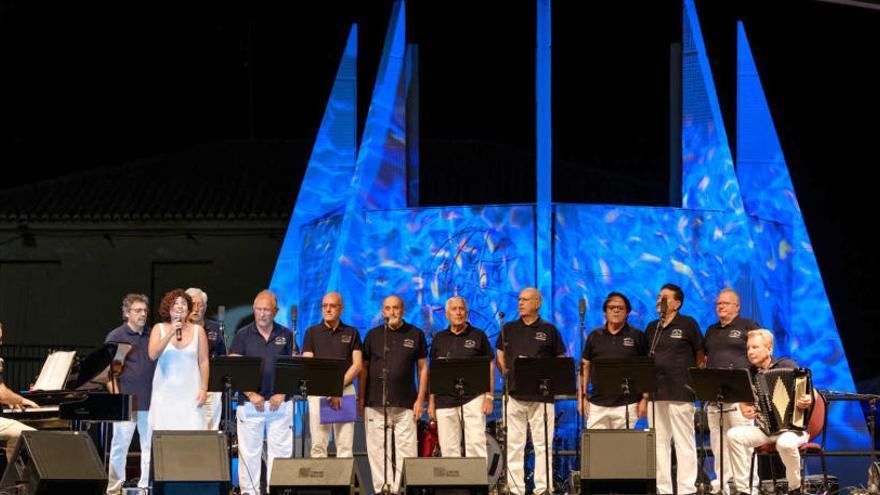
(221, 313)
(582, 306)
(293, 311)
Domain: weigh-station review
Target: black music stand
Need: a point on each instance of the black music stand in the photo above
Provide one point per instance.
(459, 377)
(627, 376)
(228, 373)
(546, 377)
(721, 385)
(297, 375)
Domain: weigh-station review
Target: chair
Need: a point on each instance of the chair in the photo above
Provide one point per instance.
(815, 427)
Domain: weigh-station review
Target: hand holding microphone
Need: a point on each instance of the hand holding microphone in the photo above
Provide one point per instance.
(178, 324)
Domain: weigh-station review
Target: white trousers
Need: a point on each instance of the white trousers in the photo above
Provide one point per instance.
(123, 431)
(253, 425)
(213, 410)
(10, 432)
(732, 418)
(343, 433)
(612, 418)
(402, 423)
(745, 438)
(521, 417)
(674, 424)
(449, 429)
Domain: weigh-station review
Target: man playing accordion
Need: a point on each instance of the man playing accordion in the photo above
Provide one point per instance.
(742, 439)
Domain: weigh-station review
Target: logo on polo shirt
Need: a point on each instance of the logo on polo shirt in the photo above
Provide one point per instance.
(540, 336)
(346, 339)
(735, 334)
(470, 344)
(212, 335)
(676, 333)
(409, 343)
(629, 342)
(280, 340)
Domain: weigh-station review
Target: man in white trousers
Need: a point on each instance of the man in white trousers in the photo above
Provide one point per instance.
(725, 348)
(333, 339)
(216, 347)
(745, 438)
(137, 380)
(676, 344)
(461, 340)
(528, 336)
(404, 357)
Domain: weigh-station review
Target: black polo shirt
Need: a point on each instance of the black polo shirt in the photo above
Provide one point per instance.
(676, 352)
(216, 339)
(540, 339)
(337, 342)
(137, 373)
(249, 342)
(406, 346)
(602, 344)
(725, 345)
(471, 342)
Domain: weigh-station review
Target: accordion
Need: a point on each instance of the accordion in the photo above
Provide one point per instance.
(776, 394)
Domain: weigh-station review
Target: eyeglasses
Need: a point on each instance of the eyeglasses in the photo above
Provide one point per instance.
(263, 310)
(615, 308)
(137, 310)
(725, 303)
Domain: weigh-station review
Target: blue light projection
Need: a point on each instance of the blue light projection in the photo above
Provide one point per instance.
(805, 323)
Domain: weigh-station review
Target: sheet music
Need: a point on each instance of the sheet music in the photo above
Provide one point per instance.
(53, 376)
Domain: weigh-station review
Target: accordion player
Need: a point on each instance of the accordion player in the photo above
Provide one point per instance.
(783, 403)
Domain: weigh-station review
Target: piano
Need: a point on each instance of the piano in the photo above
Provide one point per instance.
(84, 397)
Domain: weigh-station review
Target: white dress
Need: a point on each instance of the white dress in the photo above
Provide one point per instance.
(174, 403)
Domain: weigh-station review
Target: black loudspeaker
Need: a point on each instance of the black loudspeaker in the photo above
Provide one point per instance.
(618, 461)
(314, 477)
(49, 462)
(445, 475)
(190, 463)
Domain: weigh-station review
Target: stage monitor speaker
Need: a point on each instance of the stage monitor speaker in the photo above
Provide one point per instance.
(315, 476)
(618, 461)
(47, 462)
(190, 462)
(445, 475)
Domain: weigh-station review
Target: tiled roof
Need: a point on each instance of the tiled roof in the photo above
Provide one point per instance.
(226, 181)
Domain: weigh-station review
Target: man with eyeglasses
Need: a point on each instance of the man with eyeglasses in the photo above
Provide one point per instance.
(614, 340)
(260, 412)
(333, 339)
(725, 347)
(136, 379)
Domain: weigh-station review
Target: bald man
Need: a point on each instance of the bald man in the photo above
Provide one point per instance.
(406, 357)
(333, 339)
(529, 336)
(261, 411)
(725, 348)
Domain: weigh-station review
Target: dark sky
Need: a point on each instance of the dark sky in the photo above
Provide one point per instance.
(101, 83)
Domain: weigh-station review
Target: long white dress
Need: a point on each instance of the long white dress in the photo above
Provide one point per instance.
(174, 403)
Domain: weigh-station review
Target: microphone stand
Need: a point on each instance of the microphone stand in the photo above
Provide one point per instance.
(303, 393)
(386, 488)
(664, 309)
(502, 480)
(580, 370)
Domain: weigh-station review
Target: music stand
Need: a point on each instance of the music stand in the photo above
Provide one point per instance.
(303, 375)
(627, 376)
(228, 373)
(459, 377)
(721, 385)
(546, 377)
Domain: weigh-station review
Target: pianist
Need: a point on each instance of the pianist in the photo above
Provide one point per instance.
(10, 429)
(137, 380)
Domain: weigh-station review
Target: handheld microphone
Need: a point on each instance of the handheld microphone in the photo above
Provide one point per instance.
(664, 306)
(179, 319)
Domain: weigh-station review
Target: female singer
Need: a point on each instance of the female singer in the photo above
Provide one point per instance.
(180, 384)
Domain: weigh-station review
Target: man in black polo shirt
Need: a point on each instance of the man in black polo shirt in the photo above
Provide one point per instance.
(461, 340)
(725, 346)
(745, 438)
(676, 345)
(333, 339)
(614, 340)
(136, 379)
(216, 347)
(529, 336)
(407, 354)
(264, 413)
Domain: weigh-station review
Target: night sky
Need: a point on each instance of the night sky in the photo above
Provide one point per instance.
(96, 84)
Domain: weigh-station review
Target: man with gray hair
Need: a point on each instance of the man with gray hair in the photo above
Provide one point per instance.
(216, 347)
(461, 340)
(136, 379)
